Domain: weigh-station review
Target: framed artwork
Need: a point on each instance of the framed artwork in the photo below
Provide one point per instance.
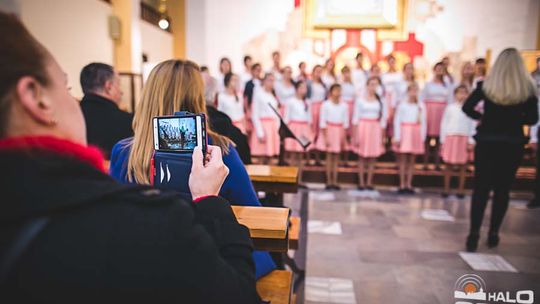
(359, 14)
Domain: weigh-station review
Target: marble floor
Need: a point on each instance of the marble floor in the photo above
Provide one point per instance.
(384, 248)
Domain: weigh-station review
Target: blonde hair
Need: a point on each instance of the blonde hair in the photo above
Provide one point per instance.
(508, 82)
(172, 86)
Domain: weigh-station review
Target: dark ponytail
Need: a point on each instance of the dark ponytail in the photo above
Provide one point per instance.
(226, 80)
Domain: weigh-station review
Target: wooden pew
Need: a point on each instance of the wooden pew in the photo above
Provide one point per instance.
(276, 287)
(274, 179)
(267, 226)
(294, 232)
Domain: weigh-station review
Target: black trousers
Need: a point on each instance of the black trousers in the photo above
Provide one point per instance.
(496, 164)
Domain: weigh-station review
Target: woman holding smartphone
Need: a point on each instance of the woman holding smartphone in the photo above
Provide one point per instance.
(96, 240)
(176, 85)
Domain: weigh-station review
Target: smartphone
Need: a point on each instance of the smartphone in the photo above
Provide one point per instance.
(180, 133)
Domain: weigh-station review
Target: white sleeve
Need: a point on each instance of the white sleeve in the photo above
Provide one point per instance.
(255, 112)
(310, 115)
(322, 117)
(287, 113)
(397, 123)
(472, 130)
(356, 112)
(384, 115)
(220, 105)
(423, 122)
(534, 134)
(444, 123)
(345, 117)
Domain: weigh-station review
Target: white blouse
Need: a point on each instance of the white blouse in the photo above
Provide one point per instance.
(334, 113)
(359, 78)
(229, 105)
(318, 92)
(369, 109)
(436, 92)
(328, 80)
(347, 91)
(283, 92)
(262, 104)
(455, 122)
(408, 112)
(220, 86)
(297, 111)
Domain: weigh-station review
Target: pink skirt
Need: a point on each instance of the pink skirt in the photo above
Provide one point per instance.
(454, 150)
(271, 146)
(411, 139)
(334, 143)
(434, 113)
(350, 107)
(240, 124)
(369, 138)
(299, 129)
(315, 114)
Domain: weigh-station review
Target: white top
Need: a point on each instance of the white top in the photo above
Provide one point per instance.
(262, 100)
(328, 79)
(391, 79)
(348, 92)
(400, 92)
(318, 92)
(296, 110)
(220, 86)
(276, 73)
(409, 112)
(334, 113)
(369, 109)
(283, 92)
(436, 92)
(455, 122)
(229, 105)
(244, 78)
(359, 78)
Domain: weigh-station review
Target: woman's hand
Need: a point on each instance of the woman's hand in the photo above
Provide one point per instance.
(207, 176)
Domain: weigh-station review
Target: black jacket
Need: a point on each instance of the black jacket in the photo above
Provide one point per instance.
(106, 242)
(501, 123)
(222, 124)
(106, 124)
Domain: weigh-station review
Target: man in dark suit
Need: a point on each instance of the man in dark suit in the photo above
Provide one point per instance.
(106, 124)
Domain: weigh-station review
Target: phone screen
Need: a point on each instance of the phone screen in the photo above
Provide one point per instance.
(180, 134)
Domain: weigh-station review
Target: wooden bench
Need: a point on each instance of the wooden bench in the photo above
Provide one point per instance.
(274, 179)
(276, 287)
(294, 232)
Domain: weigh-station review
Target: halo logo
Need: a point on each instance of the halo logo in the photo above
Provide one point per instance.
(472, 288)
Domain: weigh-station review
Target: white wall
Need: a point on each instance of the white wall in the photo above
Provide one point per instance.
(75, 32)
(156, 43)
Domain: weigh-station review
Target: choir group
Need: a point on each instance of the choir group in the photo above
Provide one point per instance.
(360, 111)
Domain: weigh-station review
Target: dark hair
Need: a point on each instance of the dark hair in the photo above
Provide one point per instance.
(303, 62)
(222, 60)
(246, 58)
(359, 54)
(440, 63)
(298, 83)
(226, 80)
(481, 60)
(345, 69)
(274, 53)
(255, 66)
(333, 87)
(94, 76)
(461, 87)
(204, 68)
(20, 55)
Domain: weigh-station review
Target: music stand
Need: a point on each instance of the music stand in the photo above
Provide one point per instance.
(285, 132)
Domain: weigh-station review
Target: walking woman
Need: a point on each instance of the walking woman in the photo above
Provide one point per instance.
(510, 102)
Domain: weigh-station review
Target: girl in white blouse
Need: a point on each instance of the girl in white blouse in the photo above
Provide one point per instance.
(435, 96)
(317, 94)
(369, 121)
(225, 67)
(348, 96)
(265, 138)
(409, 136)
(333, 122)
(328, 76)
(230, 103)
(298, 119)
(457, 130)
(284, 88)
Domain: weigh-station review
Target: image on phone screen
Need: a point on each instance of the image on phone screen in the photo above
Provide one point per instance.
(177, 133)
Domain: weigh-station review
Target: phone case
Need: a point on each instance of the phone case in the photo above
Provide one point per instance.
(171, 171)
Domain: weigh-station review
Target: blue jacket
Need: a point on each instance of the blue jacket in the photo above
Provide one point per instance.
(237, 189)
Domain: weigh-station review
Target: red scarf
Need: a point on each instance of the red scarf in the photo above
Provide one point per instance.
(87, 154)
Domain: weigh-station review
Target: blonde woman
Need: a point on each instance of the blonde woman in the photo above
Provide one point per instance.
(510, 102)
(177, 85)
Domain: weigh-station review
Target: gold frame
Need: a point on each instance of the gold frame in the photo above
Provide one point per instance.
(351, 22)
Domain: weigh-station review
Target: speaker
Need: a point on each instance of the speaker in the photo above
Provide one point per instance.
(115, 27)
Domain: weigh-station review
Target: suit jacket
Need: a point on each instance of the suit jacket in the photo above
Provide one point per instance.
(106, 124)
(107, 242)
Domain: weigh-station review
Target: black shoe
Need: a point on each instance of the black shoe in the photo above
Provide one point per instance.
(444, 195)
(360, 188)
(402, 191)
(336, 187)
(472, 242)
(409, 191)
(493, 240)
(329, 187)
(370, 188)
(460, 196)
(535, 203)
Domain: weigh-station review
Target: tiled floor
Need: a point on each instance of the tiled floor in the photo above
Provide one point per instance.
(387, 252)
